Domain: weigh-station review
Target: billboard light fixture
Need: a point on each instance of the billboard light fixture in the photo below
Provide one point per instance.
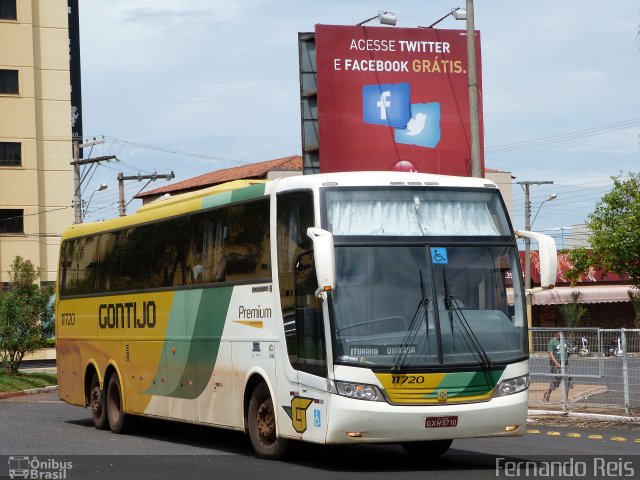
(457, 13)
(385, 18)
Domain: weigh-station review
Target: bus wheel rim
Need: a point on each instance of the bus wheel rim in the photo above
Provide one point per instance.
(96, 401)
(266, 423)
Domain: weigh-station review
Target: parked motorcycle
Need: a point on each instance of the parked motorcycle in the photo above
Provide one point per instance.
(581, 349)
(614, 349)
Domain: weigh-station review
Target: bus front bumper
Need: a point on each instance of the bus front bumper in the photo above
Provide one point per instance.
(362, 421)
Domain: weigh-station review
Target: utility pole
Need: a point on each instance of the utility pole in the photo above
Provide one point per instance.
(121, 178)
(77, 187)
(474, 122)
(527, 245)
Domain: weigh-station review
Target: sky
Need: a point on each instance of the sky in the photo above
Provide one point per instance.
(218, 81)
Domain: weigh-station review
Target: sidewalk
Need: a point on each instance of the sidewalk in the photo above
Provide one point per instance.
(576, 394)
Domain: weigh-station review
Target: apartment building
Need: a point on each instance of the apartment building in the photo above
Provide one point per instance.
(36, 178)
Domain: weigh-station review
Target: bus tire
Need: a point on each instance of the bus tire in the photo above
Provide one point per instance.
(428, 449)
(261, 422)
(115, 412)
(97, 403)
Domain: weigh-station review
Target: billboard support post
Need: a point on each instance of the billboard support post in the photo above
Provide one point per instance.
(474, 124)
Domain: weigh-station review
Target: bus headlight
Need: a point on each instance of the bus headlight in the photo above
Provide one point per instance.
(511, 386)
(361, 391)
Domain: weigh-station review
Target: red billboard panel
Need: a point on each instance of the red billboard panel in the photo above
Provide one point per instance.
(394, 99)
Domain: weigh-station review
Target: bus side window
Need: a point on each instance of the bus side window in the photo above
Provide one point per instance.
(309, 325)
(67, 274)
(194, 254)
(168, 264)
(294, 216)
(135, 264)
(109, 256)
(87, 250)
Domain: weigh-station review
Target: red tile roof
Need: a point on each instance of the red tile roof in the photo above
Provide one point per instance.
(254, 171)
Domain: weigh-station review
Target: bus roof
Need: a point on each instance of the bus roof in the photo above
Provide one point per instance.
(354, 179)
(238, 190)
(175, 205)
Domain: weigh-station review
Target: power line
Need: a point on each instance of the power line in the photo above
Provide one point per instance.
(33, 214)
(123, 142)
(564, 137)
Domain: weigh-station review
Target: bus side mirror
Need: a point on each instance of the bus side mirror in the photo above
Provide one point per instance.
(548, 257)
(324, 257)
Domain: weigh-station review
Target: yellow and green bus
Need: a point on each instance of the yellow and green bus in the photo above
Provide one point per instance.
(342, 308)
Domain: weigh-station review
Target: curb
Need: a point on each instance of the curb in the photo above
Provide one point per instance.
(32, 391)
(592, 416)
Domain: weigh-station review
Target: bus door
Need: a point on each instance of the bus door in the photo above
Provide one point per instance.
(311, 351)
(302, 382)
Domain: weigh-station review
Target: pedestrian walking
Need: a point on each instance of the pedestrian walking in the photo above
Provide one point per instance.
(557, 355)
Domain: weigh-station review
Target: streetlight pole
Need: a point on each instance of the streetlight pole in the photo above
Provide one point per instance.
(474, 122)
(101, 187)
(527, 248)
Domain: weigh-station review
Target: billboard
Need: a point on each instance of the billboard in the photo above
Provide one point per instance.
(394, 99)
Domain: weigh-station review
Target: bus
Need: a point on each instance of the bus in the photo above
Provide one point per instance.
(338, 308)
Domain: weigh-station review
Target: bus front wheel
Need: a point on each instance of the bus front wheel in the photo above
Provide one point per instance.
(261, 422)
(97, 403)
(428, 449)
(115, 411)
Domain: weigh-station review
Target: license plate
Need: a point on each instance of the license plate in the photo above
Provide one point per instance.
(440, 422)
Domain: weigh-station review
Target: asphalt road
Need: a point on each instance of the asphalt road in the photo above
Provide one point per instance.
(42, 427)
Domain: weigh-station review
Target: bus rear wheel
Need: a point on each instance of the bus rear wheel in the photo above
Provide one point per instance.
(261, 422)
(97, 403)
(428, 449)
(115, 413)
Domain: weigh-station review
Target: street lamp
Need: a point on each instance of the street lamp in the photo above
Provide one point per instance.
(101, 187)
(551, 197)
(385, 18)
(457, 13)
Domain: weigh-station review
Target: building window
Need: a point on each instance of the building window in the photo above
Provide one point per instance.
(10, 154)
(11, 220)
(9, 81)
(8, 10)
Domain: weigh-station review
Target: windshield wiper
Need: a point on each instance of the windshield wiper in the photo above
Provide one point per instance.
(422, 312)
(451, 304)
(475, 343)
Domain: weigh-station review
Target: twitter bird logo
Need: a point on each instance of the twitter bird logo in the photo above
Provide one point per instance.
(416, 125)
(423, 128)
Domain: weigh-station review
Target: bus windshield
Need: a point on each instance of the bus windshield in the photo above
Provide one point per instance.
(411, 212)
(425, 277)
(422, 306)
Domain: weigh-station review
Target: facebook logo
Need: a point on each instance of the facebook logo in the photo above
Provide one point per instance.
(387, 104)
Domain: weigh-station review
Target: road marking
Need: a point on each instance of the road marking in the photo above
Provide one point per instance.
(618, 439)
(595, 437)
(573, 435)
(553, 434)
(538, 431)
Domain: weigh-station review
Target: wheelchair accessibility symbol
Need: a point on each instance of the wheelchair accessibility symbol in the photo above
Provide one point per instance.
(439, 256)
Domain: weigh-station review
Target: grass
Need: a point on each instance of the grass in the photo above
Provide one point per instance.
(25, 381)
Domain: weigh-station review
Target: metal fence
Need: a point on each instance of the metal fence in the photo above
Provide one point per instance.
(597, 369)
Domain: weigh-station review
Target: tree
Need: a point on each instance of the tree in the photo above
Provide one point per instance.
(21, 309)
(572, 312)
(615, 227)
(615, 238)
(635, 301)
